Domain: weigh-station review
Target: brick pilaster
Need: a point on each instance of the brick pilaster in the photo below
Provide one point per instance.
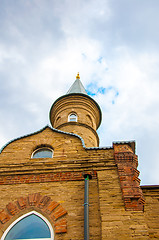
(127, 163)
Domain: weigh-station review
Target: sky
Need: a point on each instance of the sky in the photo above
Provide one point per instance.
(113, 44)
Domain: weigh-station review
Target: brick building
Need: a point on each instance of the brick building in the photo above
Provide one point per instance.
(44, 179)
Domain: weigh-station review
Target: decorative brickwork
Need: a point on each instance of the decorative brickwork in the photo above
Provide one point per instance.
(127, 163)
(4, 217)
(45, 177)
(55, 212)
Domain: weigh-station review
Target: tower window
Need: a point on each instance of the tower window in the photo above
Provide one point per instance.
(43, 153)
(72, 117)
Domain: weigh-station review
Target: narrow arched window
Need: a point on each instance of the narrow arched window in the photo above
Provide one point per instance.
(43, 153)
(30, 226)
(72, 117)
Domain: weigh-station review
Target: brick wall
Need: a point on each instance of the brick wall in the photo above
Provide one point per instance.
(151, 210)
(60, 180)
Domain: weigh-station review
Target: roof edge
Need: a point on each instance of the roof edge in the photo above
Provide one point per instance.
(150, 186)
(131, 143)
(26, 135)
(59, 131)
(42, 129)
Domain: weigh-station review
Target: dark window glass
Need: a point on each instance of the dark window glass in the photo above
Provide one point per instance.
(30, 227)
(43, 153)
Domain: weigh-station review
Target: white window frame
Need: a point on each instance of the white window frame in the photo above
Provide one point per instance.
(25, 215)
(41, 148)
(69, 117)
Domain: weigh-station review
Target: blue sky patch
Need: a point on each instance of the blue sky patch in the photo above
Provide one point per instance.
(100, 59)
(92, 89)
(117, 94)
(90, 93)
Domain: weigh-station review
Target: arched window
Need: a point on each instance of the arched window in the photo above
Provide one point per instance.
(72, 117)
(29, 226)
(43, 153)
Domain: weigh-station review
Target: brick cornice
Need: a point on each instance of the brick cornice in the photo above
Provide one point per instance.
(45, 177)
(55, 213)
(97, 160)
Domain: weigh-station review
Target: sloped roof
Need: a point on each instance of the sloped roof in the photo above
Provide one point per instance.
(77, 87)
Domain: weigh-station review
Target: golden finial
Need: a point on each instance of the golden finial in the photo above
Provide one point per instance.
(78, 76)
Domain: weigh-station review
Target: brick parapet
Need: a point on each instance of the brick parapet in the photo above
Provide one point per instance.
(53, 210)
(127, 163)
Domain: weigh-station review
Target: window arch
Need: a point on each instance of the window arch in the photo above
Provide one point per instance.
(58, 119)
(43, 152)
(31, 226)
(72, 117)
(89, 120)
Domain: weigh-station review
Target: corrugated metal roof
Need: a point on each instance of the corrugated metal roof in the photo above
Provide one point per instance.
(77, 87)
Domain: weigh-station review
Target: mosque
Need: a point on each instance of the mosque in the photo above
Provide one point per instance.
(58, 184)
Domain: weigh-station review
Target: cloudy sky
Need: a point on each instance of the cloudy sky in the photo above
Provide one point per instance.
(114, 44)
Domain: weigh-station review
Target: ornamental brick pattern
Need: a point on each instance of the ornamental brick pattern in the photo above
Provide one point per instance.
(53, 210)
(45, 177)
(127, 163)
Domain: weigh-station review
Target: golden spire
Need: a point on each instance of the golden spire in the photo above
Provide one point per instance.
(78, 76)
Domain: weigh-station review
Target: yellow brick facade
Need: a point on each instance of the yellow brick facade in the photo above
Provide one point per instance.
(54, 187)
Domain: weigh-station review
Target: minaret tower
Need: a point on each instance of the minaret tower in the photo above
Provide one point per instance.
(78, 113)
